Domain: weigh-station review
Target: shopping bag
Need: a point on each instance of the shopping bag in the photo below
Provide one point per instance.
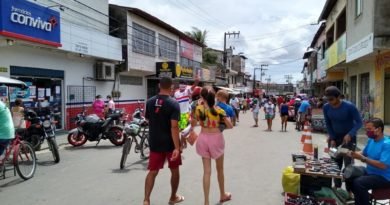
(290, 180)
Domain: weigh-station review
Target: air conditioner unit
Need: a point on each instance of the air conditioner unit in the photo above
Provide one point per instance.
(104, 71)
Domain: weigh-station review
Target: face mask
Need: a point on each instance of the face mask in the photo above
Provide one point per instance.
(371, 134)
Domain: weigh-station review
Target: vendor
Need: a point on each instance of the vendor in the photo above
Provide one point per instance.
(376, 155)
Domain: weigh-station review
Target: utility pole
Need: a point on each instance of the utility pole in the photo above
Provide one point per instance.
(268, 82)
(261, 71)
(288, 78)
(234, 34)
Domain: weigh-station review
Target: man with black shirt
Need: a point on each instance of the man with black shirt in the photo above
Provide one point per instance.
(163, 113)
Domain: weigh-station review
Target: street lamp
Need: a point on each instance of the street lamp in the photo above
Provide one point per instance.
(261, 74)
(85, 79)
(261, 70)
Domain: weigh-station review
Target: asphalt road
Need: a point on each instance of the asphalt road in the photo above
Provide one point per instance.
(254, 161)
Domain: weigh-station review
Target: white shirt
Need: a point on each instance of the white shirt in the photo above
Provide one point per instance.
(111, 105)
(269, 109)
(183, 98)
(235, 103)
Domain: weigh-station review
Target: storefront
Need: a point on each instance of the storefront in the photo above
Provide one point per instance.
(58, 60)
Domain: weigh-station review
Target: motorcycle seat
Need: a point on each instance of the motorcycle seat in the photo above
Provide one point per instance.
(20, 131)
(115, 115)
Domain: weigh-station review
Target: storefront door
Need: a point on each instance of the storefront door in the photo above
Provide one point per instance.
(365, 95)
(387, 99)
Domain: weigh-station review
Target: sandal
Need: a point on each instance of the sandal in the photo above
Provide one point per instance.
(228, 197)
(177, 200)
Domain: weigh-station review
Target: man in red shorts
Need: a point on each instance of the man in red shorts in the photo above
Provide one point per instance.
(163, 113)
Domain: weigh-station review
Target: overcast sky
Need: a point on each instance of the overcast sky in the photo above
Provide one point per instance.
(265, 27)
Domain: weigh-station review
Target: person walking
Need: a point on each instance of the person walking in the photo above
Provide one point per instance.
(182, 96)
(211, 144)
(163, 113)
(98, 106)
(303, 113)
(256, 110)
(18, 114)
(244, 105)
(269, 109)
(284, 108)
(222, 98)
(7, 130)
(342, 120)
(235, 103)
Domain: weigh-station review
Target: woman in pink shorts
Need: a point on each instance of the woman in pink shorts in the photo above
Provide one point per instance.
(210, 143)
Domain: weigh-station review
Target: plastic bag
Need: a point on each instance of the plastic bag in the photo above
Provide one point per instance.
(290, 180)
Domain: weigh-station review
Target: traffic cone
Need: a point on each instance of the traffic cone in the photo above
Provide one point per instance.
(308, 143)
(305, 132)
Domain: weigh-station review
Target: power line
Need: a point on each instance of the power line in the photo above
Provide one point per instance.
(207, 14)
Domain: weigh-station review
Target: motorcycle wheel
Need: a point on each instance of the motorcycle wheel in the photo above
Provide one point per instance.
(54, 149)
(125, 151)
(118, 139)
(77, 139)
(35, 141)
(145, 147)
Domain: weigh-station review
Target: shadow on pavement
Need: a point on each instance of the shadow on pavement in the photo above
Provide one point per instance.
(71, 148)
(130, 167)
(12, 182)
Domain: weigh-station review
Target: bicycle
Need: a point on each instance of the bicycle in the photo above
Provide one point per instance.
(23, 158)
(133, 131)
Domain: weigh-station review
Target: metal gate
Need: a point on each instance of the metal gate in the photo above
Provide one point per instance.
(78, 97)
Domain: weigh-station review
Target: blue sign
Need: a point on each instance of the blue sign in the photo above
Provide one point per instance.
(28, 21)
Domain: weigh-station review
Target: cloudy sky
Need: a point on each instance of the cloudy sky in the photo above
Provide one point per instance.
(273, 32)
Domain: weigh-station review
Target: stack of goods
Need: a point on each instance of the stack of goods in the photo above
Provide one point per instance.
(292, 199)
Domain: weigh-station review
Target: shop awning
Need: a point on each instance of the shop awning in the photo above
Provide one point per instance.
(229, 90)
(11, 82)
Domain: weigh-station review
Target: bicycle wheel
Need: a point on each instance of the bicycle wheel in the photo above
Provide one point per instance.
(54, 149)
(145, 148)
(125, 151)
(25, 160)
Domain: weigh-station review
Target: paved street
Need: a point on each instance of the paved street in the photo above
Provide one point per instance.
(91, 175)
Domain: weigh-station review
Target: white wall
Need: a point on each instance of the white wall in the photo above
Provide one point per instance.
(142, 62)
(359, 27)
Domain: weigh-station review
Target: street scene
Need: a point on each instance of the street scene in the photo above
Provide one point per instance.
(194, 102)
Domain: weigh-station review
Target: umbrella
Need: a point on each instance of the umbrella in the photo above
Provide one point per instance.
(11, 82)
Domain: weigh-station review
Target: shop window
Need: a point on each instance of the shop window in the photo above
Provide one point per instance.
(353, 90)
(365, 92)
(358, 7)
(341, 24)
(144, 40)
(167, 47)
(131, 80)
(330, 37)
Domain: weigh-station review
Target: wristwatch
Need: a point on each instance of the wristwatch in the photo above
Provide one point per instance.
(364, 159)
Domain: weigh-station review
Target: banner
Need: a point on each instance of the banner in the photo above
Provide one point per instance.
(28, 21)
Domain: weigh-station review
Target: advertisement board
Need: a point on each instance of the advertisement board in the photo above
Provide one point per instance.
(186, 49)
(28, 21)
(363, 47)
(198, 54)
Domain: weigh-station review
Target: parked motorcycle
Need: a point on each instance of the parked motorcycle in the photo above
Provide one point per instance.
(42, 126)
(93, 128)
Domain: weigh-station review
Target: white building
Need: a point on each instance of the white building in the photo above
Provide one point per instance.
(153, 48)
(55, 47)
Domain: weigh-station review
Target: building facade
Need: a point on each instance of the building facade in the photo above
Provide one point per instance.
(153, 48)
(355, 53)
(62, 50)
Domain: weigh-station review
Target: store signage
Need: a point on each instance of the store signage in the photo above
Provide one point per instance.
(364, 47)
(184, 72)
(166, 69)
(3, 70)
(28, 21)
(337, 52)
(197, 57)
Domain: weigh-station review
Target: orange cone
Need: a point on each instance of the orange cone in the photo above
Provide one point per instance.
(305, 132)
(308, 143)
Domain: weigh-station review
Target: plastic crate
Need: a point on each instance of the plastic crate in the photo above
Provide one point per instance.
(294, 196)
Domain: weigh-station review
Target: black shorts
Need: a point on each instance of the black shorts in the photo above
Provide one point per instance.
(284, 114)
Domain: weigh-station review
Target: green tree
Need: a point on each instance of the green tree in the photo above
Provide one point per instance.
(198, 35)
(209, 58)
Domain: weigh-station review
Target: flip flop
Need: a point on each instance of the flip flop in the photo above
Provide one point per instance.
(227, 198)
(178, 200)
